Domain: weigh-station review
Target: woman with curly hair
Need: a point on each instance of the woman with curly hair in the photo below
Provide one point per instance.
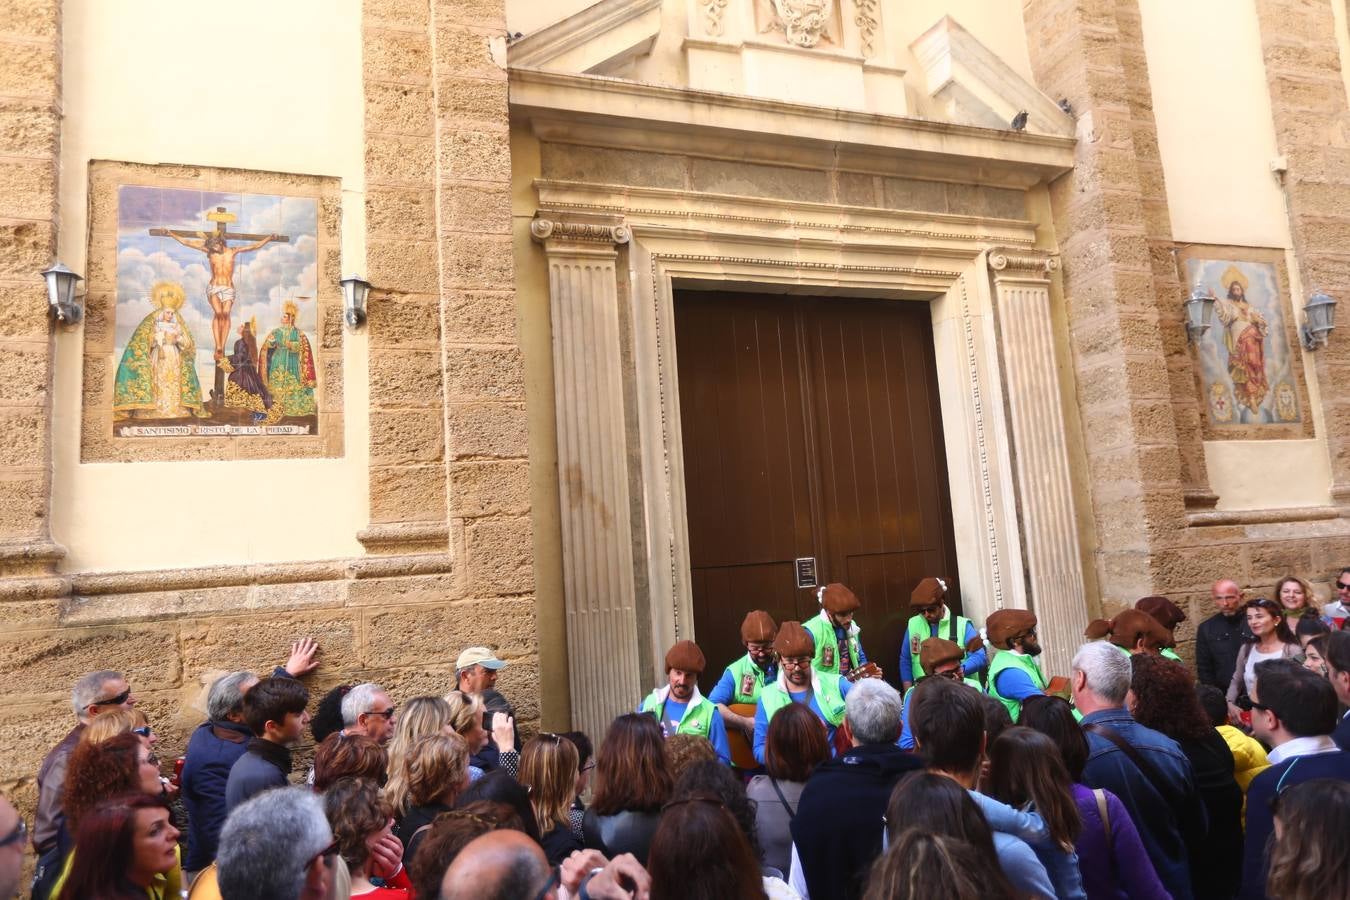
(420, 717)
(1162, 697)
(449, 834)
(128, 850)
(1307, 857)
(632, 782)
(342, 755)
(362, 830)
(437, 771)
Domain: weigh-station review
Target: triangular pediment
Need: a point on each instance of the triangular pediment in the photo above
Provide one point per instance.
(598, 39)
(970, 84)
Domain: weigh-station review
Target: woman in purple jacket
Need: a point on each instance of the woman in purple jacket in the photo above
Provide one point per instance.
(1112, 859)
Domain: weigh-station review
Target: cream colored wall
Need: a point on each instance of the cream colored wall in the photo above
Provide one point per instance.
(137, 83)
(1217, 140)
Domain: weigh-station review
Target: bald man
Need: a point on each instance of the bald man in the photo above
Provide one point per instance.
(1221, 636)
(500, 865)
(12, 839)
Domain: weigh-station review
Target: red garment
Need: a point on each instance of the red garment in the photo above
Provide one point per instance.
(397, 888)
(1247, 368)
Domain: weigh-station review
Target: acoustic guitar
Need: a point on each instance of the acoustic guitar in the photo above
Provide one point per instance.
(742, 753)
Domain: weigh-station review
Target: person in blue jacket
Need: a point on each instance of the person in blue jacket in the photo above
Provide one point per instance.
(932, 618)
(679, 708)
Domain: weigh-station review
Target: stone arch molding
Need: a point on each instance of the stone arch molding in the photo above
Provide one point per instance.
(614, 263)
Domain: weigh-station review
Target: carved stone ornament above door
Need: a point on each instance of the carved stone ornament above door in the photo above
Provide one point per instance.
(802, 23)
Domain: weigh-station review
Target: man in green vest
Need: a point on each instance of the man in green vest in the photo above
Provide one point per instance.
(680, 708)
(746, 677)
(1014, 674)
(1169, 616)
(836, 647)
(799, 682)
(1131, 631)
(933, 619)
(940, 658)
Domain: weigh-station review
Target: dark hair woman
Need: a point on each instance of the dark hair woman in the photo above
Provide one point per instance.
(449, 834)
(698, 852)
(127, 850)
(328, 716)
(1307, 857)
(342, 755)
(632, 783)
(794, 745)
(362, 828)
(1027, 773)
(500, 786)
(1111, 856)
(712, 779)
(1162, 697)
(918, 866)
(1274, 640)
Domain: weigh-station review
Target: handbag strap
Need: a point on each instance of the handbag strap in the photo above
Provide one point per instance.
(1146, 768)
(781, 799)
(1106, 816)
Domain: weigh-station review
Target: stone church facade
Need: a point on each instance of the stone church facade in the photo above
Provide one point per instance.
(537, 192)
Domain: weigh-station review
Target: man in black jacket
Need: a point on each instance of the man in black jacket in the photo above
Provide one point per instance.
(1221, 636)
(275, 710)
(836, 833)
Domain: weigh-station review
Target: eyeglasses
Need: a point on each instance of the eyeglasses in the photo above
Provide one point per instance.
(326, 854)
(1248, 704)
(17, 836)
(142, 731)
(114, 701)
(554, 877)
(1342, 586)
(387, 713)
(795, 662)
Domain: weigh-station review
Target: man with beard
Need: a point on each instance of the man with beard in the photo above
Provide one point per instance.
(939, 658)
(680, 708)
(799, 682)
(745, 678)
(1014, 675)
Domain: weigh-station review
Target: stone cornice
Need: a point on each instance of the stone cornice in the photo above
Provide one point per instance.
(545, 228)
(1021, 262)
(570, 36)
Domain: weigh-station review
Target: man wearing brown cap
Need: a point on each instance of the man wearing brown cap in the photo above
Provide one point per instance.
(746, 677)
(1131, 631)
(933, 619)
(679, 706)
(1014, 675)
(940, 658)
(1169, 616)
(836, 647)
(799, 681)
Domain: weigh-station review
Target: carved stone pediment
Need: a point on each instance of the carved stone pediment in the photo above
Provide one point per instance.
(802, 23)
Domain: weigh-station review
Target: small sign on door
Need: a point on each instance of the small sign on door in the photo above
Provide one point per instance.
(806, 572)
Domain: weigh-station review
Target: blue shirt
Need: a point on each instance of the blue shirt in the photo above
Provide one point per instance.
(724, 691)
(673, 711)
(973, 663)
(1016, 684)
(1154, 815)
(1060, 865)
(906, 741)
(809, 698)
(1260, 823)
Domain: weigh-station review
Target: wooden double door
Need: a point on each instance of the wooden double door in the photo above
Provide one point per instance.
(811, 431)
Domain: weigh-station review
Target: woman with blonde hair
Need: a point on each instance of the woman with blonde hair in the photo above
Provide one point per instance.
(118, 721)
(1297, 596)
(466, 718)
(420, 717)
(436, 771)
(548, 769)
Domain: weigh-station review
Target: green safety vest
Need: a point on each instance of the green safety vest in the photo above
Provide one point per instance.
(829, 698)
(919, 631)
(745, 674)
(1006, 659)
(697, 718)
(1170, 654)
(822, 630)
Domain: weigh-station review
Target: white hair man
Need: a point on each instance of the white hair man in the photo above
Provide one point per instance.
(277, 846)
(368, 710)
(1146, 769)
(95, 693)
(836, 833)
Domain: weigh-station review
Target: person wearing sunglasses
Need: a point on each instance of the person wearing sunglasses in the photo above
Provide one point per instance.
(368, 710)
(934, 619)
(278, 845)
(1338, 610)
(1293, 712)
(94, 694)
(1274, 640)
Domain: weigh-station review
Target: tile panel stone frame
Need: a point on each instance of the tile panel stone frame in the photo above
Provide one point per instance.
(97, 441)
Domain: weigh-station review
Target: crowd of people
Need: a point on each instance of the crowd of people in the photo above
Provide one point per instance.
(802, 774)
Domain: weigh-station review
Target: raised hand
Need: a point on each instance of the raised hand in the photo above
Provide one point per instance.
(302, 659)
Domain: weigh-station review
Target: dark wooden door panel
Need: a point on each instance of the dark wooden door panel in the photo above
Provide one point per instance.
(810, 428)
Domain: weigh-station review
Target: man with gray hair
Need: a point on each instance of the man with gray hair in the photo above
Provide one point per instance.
(277, 846)
(95, 693)
(368, 710)
(836, 833)
(1146, 769)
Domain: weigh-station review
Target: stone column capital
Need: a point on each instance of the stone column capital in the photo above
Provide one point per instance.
(555, 229)
(1022, 262)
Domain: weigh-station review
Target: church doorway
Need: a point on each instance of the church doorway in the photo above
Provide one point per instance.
(813, 452)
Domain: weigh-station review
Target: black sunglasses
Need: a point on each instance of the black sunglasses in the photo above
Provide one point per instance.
(1341, 585)
(17, 836)
(387, 713)
(1247, 704)
(114, 701)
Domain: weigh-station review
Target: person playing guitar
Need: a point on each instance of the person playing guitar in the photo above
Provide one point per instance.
(743, 680)
(799, 682)
(836, 647)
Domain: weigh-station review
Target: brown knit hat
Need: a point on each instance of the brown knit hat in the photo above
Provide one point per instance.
(1168, 614)
(1005, 624)
(930, 591)
(793, 640)
(686, 657)
(935, 651)
(758, 626)
(1126, 629)
(838, 599)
